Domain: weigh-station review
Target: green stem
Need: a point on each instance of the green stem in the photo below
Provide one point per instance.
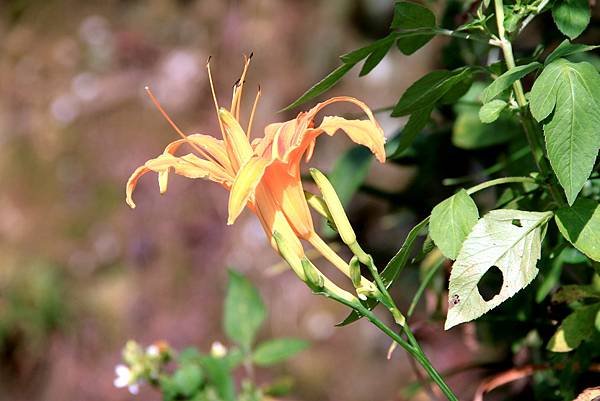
(530, 127)
(498, 181)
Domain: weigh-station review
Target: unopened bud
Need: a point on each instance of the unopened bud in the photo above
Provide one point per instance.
(218, 350)
(355, 275)
(313, 278)
(289, 256)
(336, 210)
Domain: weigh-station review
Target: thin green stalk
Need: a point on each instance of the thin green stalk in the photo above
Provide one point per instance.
(498, 181)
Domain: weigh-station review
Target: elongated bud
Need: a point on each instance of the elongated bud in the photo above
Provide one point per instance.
(314, 279)
(289, 256)
(335, 207)
(355, 275)
(318, 204)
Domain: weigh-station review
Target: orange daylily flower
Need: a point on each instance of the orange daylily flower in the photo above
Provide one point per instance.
(263, 174)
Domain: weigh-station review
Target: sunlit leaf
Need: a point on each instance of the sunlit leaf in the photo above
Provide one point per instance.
(507, 239)
(451, 221)
(572, 91)
(489, 112)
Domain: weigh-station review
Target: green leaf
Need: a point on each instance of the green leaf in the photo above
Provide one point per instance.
(489, 112)
(577, 327)
(322, 86)
(392, 271)
(425, 92)
(571, 293)
(408, 15)
(413, 127)
(571, 16)
(244, 310)
(187, 379)
(219, 375)
(377, 55)
(580, 225)
(566, 48)
(508, 239)
(505, 80)
(278, 350)
(451, 222)
(572, 91)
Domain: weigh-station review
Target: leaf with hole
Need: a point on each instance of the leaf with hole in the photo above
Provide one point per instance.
(572, 92)
(244, 310)
(580, 225)
(576, 328)
(508, 239)
(451, 222)
(278, 350)
(571, 16)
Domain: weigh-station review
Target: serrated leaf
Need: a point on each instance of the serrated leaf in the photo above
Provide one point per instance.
(322, 86)
(572, 91)
(413, 127)
(428, 90)
(278, 350)
(580, 225)
(571, 16)
(489, 112)
(377, 55)
(244, 310)
(392, 270)
(505, 80)
(451, 221)
(566, 48)
(577, 327)
(508, 239)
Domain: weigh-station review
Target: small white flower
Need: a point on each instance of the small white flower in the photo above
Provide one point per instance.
(218, 350)
(124, 379)
(153, 351)
(123, 376)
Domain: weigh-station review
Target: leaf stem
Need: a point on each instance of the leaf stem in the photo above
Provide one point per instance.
(498, 181)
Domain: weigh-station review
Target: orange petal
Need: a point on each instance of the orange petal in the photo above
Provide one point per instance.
(362, 132)
(132, 183)
(236, 142)
(244, 186)
(215, 148)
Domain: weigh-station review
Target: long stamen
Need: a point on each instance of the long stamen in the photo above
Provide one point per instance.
(214, 95)
(176, 128)
(237, 99)
(252, 112)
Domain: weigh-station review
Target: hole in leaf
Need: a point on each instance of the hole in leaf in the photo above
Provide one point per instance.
(517, 222)
(490, 283)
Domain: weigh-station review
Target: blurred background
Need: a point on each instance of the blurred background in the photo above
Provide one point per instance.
(81, 273)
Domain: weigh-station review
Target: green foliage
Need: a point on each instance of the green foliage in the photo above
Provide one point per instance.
(566, 96)
(211, 376)
(278, 350)
(416, 122)
(566, 48)
(577, 327)
(571, 16)
(580, 224)
(489, 112)
(451, 222)
(413, 16)
(244, 310)
(505, 81)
